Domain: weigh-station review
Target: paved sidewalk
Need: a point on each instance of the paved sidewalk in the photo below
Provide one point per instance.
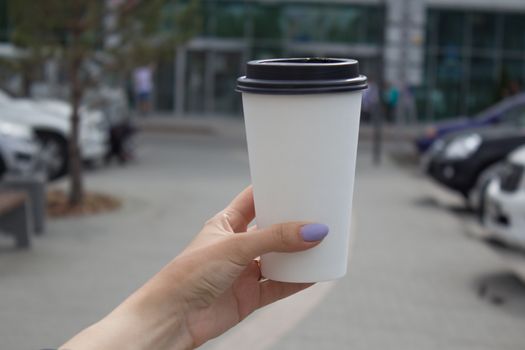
(412, 281)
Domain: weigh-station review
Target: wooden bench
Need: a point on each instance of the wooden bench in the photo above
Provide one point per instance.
(15, 216)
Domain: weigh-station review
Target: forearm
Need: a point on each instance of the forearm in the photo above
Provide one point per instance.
(112, 333)
(138, 323)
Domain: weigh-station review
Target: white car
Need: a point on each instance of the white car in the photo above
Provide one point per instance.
(50, 120)
(503, 214)
(19, 150)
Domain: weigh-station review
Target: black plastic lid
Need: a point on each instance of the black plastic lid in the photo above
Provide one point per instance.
(301, 76)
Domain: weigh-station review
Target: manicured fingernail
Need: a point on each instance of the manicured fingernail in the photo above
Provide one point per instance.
(314, 232)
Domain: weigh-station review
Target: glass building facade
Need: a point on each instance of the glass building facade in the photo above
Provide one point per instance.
(236, 31)
(472, 59)
(455, 58)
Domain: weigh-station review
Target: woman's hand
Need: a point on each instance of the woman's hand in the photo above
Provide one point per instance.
(210, 287)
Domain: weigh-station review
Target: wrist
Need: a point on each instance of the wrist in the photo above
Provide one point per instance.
(152, 318)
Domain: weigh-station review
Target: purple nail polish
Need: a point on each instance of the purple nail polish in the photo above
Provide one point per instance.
(314, 232)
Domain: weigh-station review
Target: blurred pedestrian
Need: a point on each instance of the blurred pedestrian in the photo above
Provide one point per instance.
(211, 286)
(143, 83)
(391, 98)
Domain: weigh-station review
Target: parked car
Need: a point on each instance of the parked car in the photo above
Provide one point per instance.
(51, 123)
(19, 150)
(465, 162)
(503, 214)
(502, 113)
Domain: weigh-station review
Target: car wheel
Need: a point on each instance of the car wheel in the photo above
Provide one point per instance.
(54, 154)
(476, 195)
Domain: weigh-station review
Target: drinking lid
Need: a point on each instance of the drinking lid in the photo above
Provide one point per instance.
(301, 76)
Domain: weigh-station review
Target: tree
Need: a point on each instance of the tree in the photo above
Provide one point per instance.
(76, 32)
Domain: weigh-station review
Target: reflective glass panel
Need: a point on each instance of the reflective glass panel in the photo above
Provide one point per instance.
(483, 30)
(514, 32)
(451, 28)
(483, 90)
(229, 19)
(267, 21)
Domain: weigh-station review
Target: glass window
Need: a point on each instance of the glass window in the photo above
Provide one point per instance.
(449, 66)
(343, 24)
(514, 32)
(224, 19)
(267, 21)
(229, 20)
(420, 97)
(446, 95)
(374, 22)
(304, 23)
(208, 22)
(451, 28)
(483, 30)
(482, 68)
(512, 69)
(466, 68)
(483, 90)
(334, 23)
(446, 100)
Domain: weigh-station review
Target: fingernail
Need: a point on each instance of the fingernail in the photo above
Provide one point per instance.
(314, 232)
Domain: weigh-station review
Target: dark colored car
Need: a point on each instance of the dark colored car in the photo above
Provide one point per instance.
(458, 161)
(499, 114)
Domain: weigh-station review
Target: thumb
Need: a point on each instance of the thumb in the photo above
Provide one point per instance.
(286, 237)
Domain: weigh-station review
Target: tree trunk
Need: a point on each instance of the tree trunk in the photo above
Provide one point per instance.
(76, 194)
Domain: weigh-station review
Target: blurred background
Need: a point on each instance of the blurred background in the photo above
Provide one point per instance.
(121, 133)
(455, 58)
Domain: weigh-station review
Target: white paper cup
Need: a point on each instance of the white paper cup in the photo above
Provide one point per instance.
(302, 122)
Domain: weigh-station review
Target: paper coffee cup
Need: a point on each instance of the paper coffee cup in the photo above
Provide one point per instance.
(302, 121)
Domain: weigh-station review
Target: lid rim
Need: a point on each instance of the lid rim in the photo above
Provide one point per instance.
(295, 91)
(301, 76)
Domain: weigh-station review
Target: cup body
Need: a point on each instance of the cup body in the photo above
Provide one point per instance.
(302, 150)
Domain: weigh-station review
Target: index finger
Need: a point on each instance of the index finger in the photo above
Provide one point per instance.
(241, 210)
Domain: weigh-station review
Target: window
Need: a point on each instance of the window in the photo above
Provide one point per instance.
(267, 21)
(229, 20)
(334, 23)
(450, 29)
(224, 19)
(512, 69)
(513, 32)
(483, 30)
(482, 84)
(473, 59)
